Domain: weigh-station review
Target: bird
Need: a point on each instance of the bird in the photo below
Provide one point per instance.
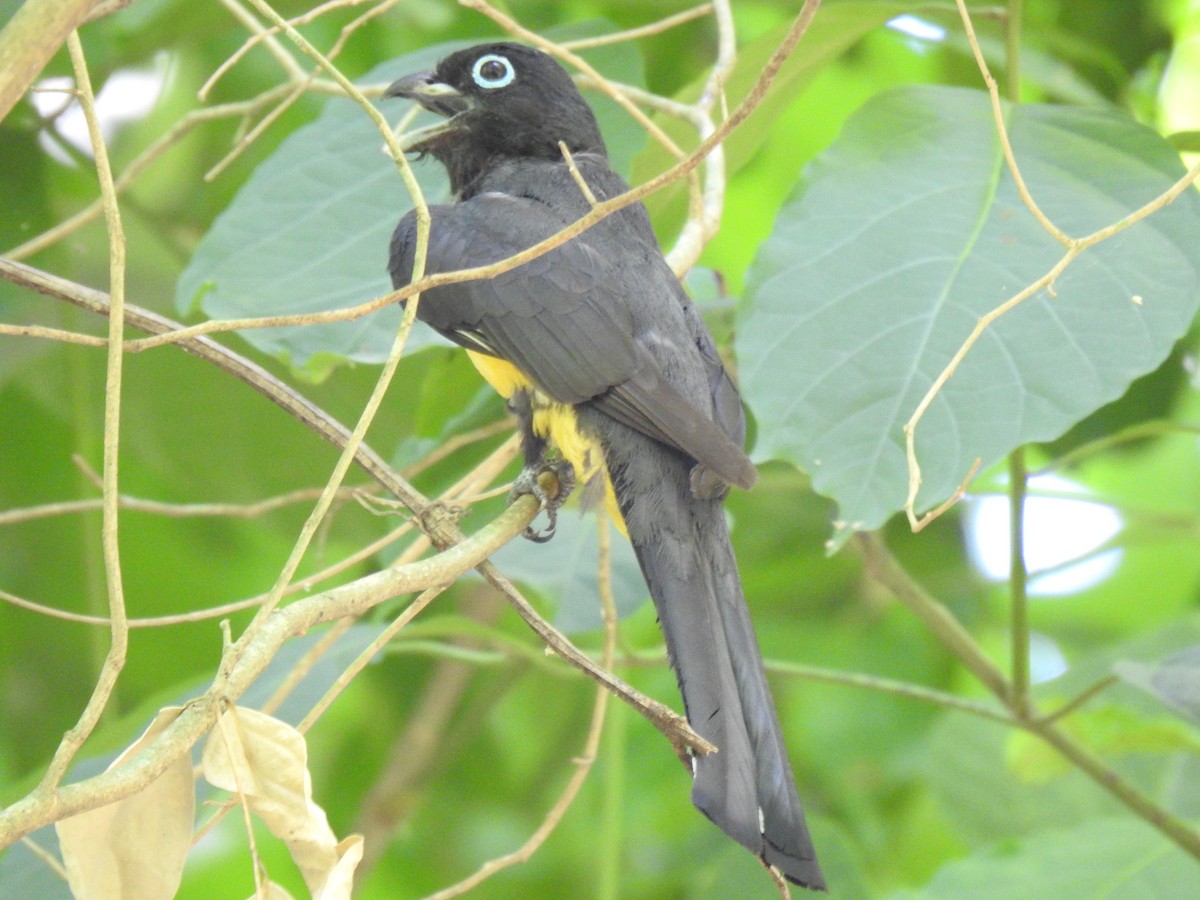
(613, 375)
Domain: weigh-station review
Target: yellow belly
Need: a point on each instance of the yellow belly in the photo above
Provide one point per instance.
(557, 423)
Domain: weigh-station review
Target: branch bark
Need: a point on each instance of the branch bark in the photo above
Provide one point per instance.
(36, 30)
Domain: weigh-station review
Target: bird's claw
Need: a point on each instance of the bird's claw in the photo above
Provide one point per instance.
(550, 482)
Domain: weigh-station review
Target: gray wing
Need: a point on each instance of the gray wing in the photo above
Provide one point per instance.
(559, 320)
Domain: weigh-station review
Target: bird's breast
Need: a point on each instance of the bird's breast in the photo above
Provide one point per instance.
(553, 420)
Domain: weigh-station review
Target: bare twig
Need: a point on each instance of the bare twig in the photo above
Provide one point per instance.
(705, 218)
(1074, 248)
(114, 660)
(664, 24)
(244, 660)
(576, 174)
(36, 30)
(954, 637)
(355, 438)
(1018, 586)
(583, 762)
(169, 139)
(169, 510)
(602, 211)
(883, 567)
(54, 334)
(246, 657)
(228, 361)
(446, 534)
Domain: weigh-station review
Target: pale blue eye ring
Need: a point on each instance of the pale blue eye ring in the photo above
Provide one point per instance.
(492, 72)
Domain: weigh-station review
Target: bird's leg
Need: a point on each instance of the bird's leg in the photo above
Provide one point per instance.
(550, 481)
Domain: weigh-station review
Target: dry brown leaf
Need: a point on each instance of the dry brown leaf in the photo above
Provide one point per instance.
(136, 847)
(266, 761)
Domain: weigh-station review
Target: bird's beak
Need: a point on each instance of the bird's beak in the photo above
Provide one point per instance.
(433, 95)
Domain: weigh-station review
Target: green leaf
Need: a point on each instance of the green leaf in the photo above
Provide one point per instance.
(1114, 857)
(965, 765)
(905, 232)
(1111, 730)
(1175, 682)
(564, 571)
(836, 28)
(310, 229)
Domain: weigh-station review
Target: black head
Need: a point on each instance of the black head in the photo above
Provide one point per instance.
(501, 102)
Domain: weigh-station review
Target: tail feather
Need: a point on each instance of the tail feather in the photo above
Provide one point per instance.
(682, 544)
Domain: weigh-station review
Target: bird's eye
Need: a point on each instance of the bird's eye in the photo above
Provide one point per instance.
(492, 72)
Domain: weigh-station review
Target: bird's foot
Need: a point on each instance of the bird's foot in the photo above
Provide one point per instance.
(550, 482)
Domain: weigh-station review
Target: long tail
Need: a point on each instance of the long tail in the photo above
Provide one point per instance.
(683, 546)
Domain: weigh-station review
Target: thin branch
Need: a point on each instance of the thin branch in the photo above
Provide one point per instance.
(29, 38)
(106, 8)
(704, 221)
(346, 458)
(985, 321)
(586, 759)
(511, 25)
(884, 568)
(170, 138)
(299, 84)
(170, 510)
(1002, 131)
(602, 211)
(245, 659)
(114, 660)
(364, 658)
(576, 174)
(632, 34)
(453, 444)
(890, 686)
(268, 36)
(1074, 248)
(1183, 833)
(54, 334)
(49, 859)
(1079, 700)
(254, 375)
(426, 742)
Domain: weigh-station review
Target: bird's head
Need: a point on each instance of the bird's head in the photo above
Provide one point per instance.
(501, 102)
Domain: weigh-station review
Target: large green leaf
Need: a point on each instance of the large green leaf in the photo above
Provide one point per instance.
(903, 234)
(1175, 681)
(1105, 858)
(310, 229)
(837, 27)
(566, 571)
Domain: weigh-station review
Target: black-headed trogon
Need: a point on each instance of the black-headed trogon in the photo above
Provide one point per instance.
(603, 357)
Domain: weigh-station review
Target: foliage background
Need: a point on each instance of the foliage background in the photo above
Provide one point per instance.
(907, 798)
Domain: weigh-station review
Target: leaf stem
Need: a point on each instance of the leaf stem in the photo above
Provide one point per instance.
(945, 627)
(1179, 831)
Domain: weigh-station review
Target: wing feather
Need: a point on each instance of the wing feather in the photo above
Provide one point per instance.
(559, 319)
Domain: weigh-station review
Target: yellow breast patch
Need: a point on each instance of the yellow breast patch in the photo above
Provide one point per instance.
(556, 422)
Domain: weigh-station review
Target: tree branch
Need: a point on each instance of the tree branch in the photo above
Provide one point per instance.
(34, 33)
